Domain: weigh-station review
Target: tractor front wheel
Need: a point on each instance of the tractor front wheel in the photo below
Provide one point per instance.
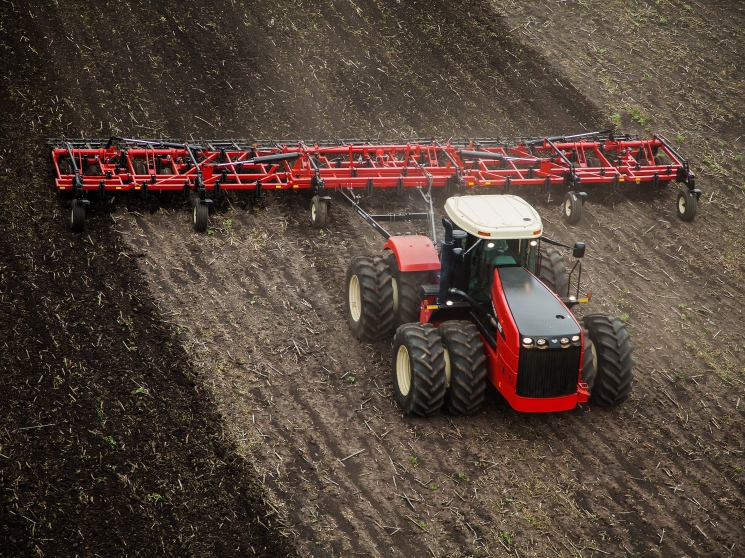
(318, 212)
(465, 368)
(369, 298)
(613, 358)
(553, 271)
(406, 284)
(418, 369)
(572, 208)
(687, 205)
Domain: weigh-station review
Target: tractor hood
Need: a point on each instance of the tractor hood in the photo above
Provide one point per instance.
(535, 309)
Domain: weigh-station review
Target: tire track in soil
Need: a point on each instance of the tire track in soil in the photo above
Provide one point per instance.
(331, 274)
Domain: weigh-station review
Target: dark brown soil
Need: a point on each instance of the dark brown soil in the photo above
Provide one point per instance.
(172, 393)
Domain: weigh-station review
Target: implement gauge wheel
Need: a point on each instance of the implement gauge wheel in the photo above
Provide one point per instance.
(613, 358)
(571, 209)
(77, 216)
(200, 216)
(318, 212)
(553, 271)
(418, 369)
(369, 298)
(465, 368)
(687, 205)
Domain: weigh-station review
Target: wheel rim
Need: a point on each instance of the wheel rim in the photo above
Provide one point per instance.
(72, 216)
(355, 298)
(403, 370)
(194, 216)
(394, 283)
(313, 214)
(681, 204)
(448, 372)
(568, 207)
(595, 356)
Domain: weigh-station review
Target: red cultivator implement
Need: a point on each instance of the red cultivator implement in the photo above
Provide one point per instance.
(207, 167)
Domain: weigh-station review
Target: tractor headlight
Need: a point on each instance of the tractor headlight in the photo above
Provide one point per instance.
(575, 339)
(564, 342)
(528, 342)
(541, 344)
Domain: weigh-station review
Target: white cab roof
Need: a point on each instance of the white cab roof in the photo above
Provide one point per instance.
(499, 216)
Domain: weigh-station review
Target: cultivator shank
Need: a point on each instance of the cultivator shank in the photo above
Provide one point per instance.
(207, 167)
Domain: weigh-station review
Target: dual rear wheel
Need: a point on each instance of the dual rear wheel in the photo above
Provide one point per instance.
(608, 346)
(441, 368)
(433, 368)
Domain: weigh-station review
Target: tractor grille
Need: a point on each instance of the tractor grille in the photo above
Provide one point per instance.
(548, 372)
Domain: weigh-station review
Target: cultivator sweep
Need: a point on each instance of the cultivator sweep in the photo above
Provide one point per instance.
(100, 167)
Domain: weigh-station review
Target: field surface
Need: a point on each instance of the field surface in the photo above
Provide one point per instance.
(167, 392)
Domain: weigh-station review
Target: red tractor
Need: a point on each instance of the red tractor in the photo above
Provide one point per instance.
(494, 306)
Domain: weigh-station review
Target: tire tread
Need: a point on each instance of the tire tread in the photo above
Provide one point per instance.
(615, 373)
(376, 289)
(427, 360)
(468, 367)
(553, 271)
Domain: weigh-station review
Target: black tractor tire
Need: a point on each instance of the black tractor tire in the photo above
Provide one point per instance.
(406, 300)
(200, 216)
(418, 369)
(613, 357)
(77, 216)
(687, 205)
(571, 209)
(465, 367)
(369, 290)
(318, 212)
(553, 271)
(589, 369)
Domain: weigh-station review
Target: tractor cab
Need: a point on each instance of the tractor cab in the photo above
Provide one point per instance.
(490, 232)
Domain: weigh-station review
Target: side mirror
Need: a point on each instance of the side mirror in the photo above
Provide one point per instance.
(579, 250)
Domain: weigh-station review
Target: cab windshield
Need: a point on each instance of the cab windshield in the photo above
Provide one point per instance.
(484, 256)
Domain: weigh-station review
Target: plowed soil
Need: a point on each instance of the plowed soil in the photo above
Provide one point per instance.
(167, 392)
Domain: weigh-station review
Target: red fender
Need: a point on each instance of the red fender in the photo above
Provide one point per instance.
(413, 253)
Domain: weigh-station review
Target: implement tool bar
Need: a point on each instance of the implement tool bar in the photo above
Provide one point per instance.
(121, 164)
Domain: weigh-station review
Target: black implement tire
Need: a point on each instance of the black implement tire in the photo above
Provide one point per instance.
(589, 370)
(418, 369)
(406, 300)
(318, 212)
(369, 290)
(687, 205)
(553, 271)
(571, 209)
(77, 216)
(613, 357)
(200, 216)
(465, 367)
